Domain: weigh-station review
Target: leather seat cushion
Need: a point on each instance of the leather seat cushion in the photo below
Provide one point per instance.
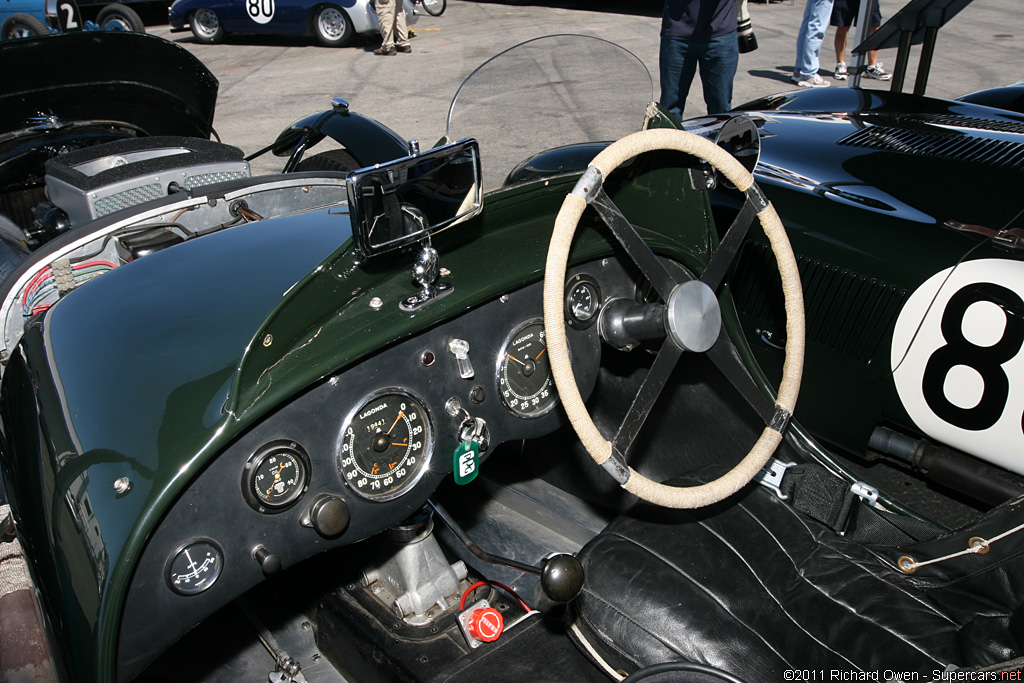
(755, 588)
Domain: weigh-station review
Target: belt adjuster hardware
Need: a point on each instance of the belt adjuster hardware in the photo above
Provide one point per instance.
(771, 476)
(866, 492)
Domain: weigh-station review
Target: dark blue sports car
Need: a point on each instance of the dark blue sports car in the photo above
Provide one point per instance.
(334, 23)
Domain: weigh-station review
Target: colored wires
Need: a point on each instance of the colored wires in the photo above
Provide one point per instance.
(39, 293)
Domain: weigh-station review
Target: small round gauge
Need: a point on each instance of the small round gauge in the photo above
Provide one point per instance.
(385, 445)
(524, 374)
(582, 301)
(195, 567)
(276, 476)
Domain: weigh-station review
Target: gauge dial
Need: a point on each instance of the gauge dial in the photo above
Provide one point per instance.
(582, 301)
(524, 374)
(385, 445)
(195, 568)
(276, 476)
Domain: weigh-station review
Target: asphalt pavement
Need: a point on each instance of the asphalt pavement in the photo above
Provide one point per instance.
(268, 82)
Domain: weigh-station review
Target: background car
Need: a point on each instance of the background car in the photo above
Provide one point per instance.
(24, 18)
(334, 24)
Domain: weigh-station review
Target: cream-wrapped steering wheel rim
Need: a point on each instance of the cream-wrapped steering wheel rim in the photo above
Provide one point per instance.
(600, 448)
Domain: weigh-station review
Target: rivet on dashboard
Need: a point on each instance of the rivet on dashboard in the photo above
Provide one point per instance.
(268, 340)
(444, 272)
(122, 485)
(376, 303)
(503, 298)
(305, 189)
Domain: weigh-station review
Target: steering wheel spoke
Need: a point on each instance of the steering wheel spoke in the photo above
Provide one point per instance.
(725, 357)
(723, 257)
(649, 264)
(657, 378)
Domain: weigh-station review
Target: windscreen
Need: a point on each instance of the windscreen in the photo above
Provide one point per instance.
(546, 93)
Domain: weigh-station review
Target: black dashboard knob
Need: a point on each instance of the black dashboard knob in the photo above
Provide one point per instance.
(329, 515)
(270, 562)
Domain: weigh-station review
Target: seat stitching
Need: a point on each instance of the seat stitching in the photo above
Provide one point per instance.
(848, 608)
(705, 590)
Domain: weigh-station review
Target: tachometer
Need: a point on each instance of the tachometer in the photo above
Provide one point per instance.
(524, 375)
(385, 445)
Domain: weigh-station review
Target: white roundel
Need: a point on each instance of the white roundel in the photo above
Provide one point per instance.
(260, 11)
(958, 359)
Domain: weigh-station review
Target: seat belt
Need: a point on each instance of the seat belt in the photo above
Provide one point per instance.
(848, 510)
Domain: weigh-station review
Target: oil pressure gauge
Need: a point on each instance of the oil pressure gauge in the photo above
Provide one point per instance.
(582, 301)
(525, 382)
(195, 567)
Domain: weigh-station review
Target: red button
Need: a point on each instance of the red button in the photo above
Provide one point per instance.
(486, 624)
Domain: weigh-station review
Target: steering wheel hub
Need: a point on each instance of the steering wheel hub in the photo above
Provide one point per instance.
(693, 316)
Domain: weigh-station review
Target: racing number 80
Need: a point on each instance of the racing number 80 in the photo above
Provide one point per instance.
(987, 361)
(260, 9)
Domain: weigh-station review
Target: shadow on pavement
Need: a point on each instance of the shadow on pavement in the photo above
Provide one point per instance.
(641, 8)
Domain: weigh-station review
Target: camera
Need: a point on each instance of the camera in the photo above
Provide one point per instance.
(744, 29)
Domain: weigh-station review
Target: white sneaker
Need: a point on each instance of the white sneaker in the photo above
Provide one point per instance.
(877, 72)
(814, 81)
(840, 73)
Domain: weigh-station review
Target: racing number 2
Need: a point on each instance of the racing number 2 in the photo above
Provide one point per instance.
(987, 361)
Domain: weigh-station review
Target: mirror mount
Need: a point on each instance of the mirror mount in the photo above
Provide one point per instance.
(425, 272)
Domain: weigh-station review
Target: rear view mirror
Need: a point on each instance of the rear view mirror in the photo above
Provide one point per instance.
(405, 200)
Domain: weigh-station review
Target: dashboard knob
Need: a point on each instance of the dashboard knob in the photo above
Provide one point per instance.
(270, 562)
(329, 515)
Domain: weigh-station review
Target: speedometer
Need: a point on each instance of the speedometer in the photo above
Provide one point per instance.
(385, 445)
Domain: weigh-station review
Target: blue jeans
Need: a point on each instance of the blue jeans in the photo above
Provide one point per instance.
(717, 57)
(808, 41)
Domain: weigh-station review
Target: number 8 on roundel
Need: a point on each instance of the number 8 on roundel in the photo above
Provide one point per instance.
(260, 11)
(957, 359)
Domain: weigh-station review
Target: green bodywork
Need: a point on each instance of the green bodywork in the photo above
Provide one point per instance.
(153, 369)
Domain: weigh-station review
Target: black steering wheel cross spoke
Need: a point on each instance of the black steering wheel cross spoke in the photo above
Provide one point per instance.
(714, 273)
(641, 254)
(692, 318)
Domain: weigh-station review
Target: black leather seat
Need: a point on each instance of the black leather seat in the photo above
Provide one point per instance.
(754, 587)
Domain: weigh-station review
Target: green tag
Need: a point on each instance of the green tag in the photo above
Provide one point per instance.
(466, 462)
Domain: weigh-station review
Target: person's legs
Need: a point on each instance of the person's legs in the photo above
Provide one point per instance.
(718, 62)
(677, 65)
(841, 33)
(810, 37)
(401, 34)
(386, 19)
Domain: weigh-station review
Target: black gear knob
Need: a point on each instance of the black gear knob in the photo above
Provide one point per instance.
(561, 577)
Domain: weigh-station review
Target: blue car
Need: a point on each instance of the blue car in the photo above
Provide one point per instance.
(24, 18)
(335, 23)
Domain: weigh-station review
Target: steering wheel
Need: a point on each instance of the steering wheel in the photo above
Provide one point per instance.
(692, 317)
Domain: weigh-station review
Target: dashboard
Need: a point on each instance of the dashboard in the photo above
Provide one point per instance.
(358, 452)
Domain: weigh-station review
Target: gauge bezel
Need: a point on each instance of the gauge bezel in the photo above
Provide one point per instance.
(179, 549)
(570, 286)
(257, 458)
(425, 460)
(501, 360)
